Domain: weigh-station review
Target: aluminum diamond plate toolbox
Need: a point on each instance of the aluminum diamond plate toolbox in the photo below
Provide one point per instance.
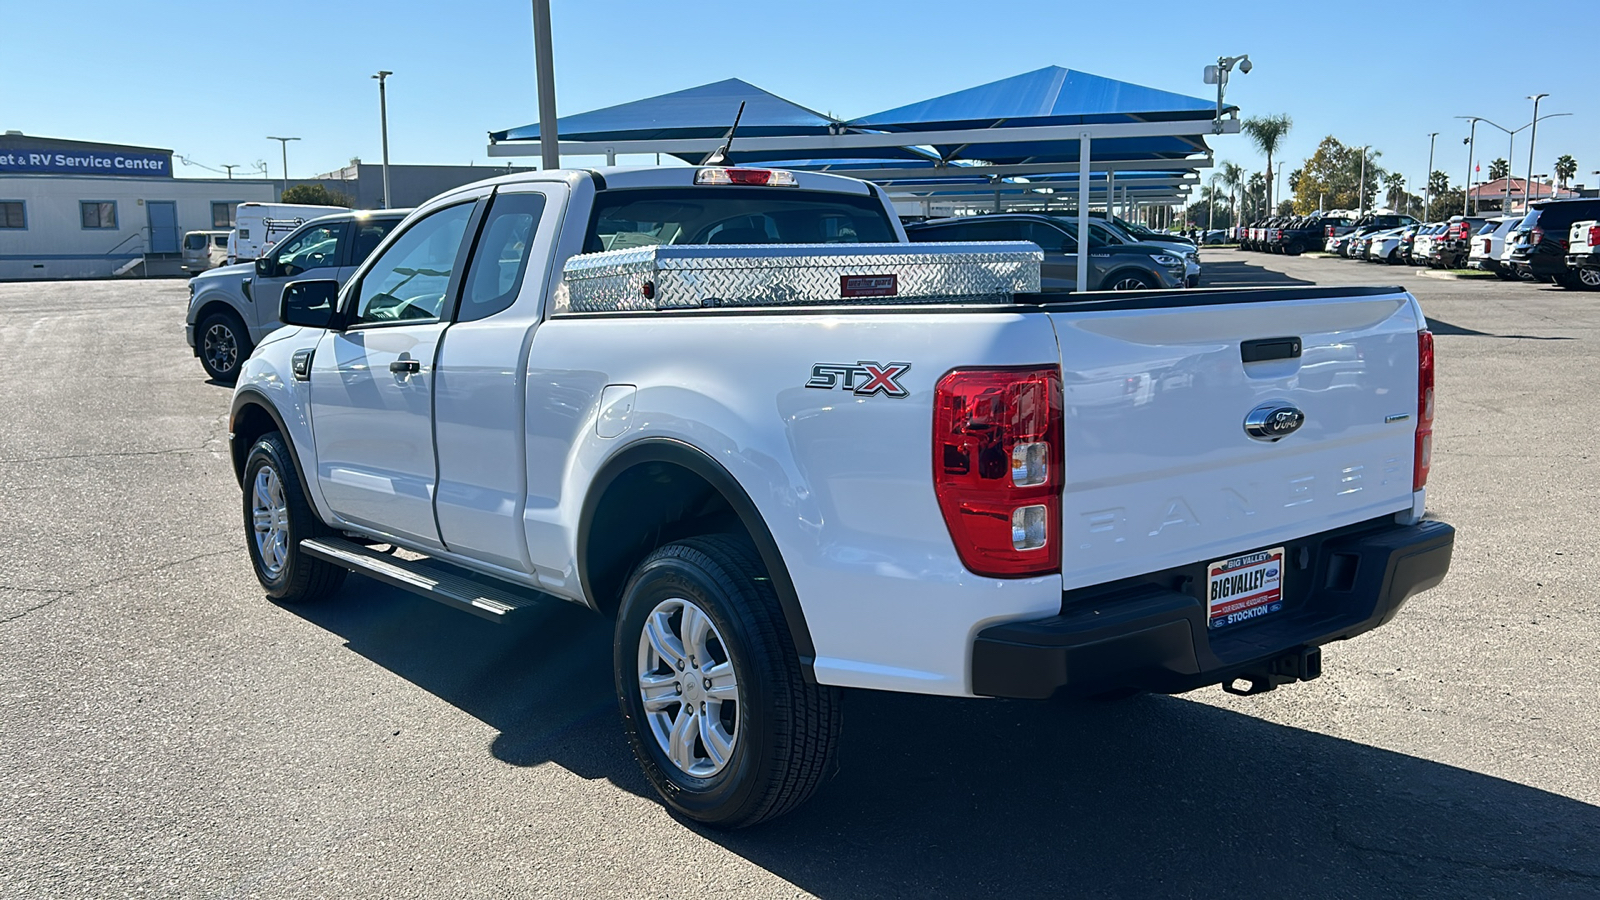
(753, 275)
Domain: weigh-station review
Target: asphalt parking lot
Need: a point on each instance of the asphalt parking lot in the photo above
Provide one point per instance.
(166, 731)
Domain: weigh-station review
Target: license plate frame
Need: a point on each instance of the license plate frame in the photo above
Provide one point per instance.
(1244, 588)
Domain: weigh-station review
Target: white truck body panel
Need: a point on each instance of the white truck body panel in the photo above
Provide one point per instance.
(252, 236)
(1157, 476)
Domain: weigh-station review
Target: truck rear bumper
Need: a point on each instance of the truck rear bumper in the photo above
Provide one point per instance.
(1151, 633)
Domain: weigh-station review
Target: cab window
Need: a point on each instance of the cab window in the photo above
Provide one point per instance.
(408, 282)
(316, 247)
(368, 235)
(494, 276)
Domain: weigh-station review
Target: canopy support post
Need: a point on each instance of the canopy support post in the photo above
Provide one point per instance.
(1083, 211)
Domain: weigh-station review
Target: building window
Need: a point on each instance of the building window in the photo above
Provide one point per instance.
(13, 214)
(222, 213)
(98, 213)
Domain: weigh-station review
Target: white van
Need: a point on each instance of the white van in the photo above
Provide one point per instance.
(204, 250)
(259, 226)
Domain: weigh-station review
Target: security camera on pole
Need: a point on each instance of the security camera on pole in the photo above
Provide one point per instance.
(1218, 75)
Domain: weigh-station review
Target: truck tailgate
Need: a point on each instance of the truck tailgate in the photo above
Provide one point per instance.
(1160, 471)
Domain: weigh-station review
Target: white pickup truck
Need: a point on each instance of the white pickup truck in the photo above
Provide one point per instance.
(790, 453)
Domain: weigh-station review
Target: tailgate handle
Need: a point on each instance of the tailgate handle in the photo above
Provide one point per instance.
(1266, 349)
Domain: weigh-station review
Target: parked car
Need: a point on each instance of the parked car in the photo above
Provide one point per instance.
(1114, 265)
(1306, 233)
(1384, 246)
(1452, 248)
(1542, 252)
(204, 250)
(257, 226)
(1422, 245)
(1583, 254)
(1488, 245)
(770, 514)
(232, 308)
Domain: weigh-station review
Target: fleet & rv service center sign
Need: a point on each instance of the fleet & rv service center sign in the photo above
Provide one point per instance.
(43, 159)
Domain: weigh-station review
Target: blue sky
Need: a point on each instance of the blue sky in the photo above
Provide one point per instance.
(210, 80)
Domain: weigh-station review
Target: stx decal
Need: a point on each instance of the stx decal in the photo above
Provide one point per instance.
(863, 379)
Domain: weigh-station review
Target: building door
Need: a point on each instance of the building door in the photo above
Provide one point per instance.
(163, 225)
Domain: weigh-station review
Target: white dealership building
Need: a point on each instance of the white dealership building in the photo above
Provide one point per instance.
(76, 209)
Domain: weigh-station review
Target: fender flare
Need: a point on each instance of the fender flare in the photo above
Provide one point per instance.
(248, 396)
(695, 460)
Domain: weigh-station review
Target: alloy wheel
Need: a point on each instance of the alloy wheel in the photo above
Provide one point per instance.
(221, 348)
(688, 687)
(269, 514)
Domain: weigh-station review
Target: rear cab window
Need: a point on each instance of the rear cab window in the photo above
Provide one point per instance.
(648, 217)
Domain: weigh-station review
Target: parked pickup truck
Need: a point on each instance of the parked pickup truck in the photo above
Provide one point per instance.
(232, 308)
(789, 453)
(1583, 254)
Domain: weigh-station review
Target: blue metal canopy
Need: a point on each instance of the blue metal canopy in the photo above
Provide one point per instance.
(698, 112)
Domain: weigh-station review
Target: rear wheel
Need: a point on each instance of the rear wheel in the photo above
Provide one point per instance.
(1295, 249)
(1588, 278)
(1568, 280)
(715, 706)
(1130, 281)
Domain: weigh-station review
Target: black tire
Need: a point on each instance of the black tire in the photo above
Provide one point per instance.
(1393, 258)
(223, 344)
(1569, 280)
(1588, 278)
(1294, 249)
(299, 578)
(786, 730)
(1129, 280)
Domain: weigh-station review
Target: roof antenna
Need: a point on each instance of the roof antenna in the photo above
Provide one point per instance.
(720, 155)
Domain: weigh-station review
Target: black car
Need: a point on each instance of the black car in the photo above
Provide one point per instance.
(1113, 265)
(1542, 251)
(1310, 233)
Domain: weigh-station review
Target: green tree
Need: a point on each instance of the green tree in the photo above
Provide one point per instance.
(1446, 199)
(1267, 133)
(316, 195)
(1330, 177)
(1232, 177)
(1499, 169)
(1566, 167)
(1395, 183)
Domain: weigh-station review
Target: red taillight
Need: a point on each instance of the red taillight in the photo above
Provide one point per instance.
(767, 177)
(1538, 236)
(1594, 235)
(1330, 231)
(1486, 244)
(1464, 229)
(998, 468)
(1424, 456)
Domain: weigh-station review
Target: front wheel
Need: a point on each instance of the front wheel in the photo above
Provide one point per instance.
(276, 517)
(1131, 281)
(715, 706)
(224, 345)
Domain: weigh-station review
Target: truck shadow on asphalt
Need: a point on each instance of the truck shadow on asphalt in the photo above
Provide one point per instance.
(939, 797)
(1241, 273)
(1439, 327)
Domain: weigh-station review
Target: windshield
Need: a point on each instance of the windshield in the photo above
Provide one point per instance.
(647, 217)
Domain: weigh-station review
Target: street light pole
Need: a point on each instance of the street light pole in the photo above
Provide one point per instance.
(284, 143)
(383, 123)
(1361, 186)
(549, 135)
(1472, 144)
(1532, 137)
(1427, 186)
(1211, 214)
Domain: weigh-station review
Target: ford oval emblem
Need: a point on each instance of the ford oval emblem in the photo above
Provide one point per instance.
(1272, 422)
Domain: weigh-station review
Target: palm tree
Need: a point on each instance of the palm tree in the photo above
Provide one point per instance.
(1499, 169)
(1566, 167)
(1267, 133)
(1232, 176)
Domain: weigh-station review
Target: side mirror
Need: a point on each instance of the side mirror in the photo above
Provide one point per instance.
(311, 303)
(264, 267)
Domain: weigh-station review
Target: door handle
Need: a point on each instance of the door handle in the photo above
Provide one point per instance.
(405, 366)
